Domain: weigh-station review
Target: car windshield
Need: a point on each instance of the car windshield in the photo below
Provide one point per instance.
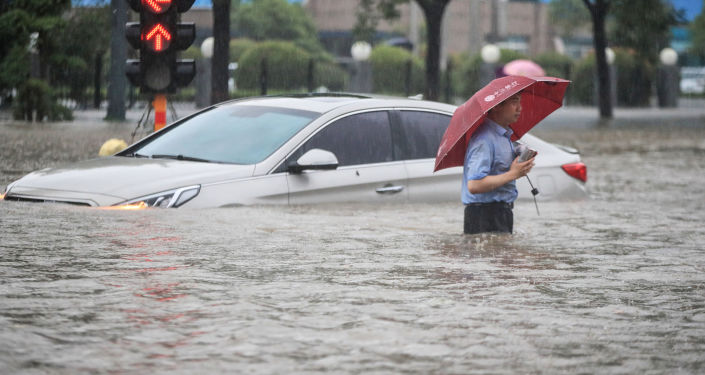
(239, 134)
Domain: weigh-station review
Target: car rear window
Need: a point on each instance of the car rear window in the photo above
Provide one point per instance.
(239, 134)
(421, 134)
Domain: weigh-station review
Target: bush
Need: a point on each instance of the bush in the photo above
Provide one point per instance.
(287, 66)
(389, 70)
(35, 102)
(555, 64)
(330, 75)
(634, 80)
(33, 99)
(583, 85)
(469, 75)
(192, 52)
(238, 48)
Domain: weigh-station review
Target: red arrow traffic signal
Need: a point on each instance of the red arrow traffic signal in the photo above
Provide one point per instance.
(158, 37)
(157, 6)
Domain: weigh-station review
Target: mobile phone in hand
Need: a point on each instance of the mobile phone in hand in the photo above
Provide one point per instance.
(526, 154)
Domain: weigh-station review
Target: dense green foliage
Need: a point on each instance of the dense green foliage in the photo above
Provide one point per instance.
(697, 29)
(18, 20)
(389, 71)
(263, 20)
(239, 46)
(567, 16)
(70, 43)
(35, 101)
(287, 68)
(84, 44)
(643, 26)
(555, 64)
(470, 71)
(635, 78)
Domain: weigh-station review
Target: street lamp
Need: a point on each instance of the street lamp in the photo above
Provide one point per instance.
(668, 56)
(207, 47)
(609, 54)
(203, 75)
(668, 83)
(361, 75)
(360, 51)
(490, 55)
(612, 71)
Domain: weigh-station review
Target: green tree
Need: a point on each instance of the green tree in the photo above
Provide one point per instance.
(433, 12)
(18, 20)
(286, 66)
(697, 28)
(599, 10)
(644, 26)
(19, 61)
(568, 15)
(389, 68)
(262, 20)
(221, 50)
(84, 42)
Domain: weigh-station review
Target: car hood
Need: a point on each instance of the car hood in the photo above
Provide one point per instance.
(110, 180)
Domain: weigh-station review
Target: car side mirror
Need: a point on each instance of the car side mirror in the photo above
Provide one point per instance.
(314, 159)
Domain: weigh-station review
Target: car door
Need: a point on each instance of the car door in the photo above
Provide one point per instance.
(419, 134)
(367, 170)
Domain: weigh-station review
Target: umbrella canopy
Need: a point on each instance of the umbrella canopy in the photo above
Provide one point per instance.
(540, 96)
(523, 67)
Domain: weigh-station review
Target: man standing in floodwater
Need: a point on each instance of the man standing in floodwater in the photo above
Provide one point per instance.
(490, 170)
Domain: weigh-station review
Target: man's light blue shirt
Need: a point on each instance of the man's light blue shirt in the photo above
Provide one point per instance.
(489, 153)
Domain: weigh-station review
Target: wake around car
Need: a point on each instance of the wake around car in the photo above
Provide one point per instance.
(288, 150)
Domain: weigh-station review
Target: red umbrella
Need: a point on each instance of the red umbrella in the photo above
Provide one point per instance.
(540, 97)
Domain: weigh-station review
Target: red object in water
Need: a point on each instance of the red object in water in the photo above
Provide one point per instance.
(576, 170)
(540, 96)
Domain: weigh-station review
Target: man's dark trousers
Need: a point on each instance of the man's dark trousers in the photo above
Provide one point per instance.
(489, 217)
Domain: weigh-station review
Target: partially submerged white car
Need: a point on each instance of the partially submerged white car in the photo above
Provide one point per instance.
(289, 150)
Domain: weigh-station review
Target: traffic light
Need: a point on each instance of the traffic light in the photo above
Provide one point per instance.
(158, 37)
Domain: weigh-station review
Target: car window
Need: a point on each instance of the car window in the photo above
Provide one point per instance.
(241, 134)
(361, 138)
(420, 133)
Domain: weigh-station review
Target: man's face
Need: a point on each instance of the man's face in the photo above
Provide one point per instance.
(508, 111)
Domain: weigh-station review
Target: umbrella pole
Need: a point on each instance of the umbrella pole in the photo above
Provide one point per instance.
(534, 192)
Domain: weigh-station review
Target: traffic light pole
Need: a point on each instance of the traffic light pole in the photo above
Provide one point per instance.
(159, 105)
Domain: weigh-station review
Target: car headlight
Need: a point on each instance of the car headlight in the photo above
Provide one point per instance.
(166, 199)
(7, 190)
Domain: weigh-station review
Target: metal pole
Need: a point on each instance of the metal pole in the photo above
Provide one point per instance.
(159, 104)
(310, 75)
(263, 77)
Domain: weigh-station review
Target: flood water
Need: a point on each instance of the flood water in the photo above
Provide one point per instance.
(614, 284)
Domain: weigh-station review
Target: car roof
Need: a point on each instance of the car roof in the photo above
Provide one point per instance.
(323, 103)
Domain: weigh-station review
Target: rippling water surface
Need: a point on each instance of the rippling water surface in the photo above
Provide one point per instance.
(613, 284)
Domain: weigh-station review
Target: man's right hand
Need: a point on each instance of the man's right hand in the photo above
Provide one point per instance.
(521, 169)
(489, 183)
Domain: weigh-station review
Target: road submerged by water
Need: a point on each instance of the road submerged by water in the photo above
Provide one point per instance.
(613, 284)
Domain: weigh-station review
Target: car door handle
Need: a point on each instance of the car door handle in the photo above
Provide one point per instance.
(389, 189)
